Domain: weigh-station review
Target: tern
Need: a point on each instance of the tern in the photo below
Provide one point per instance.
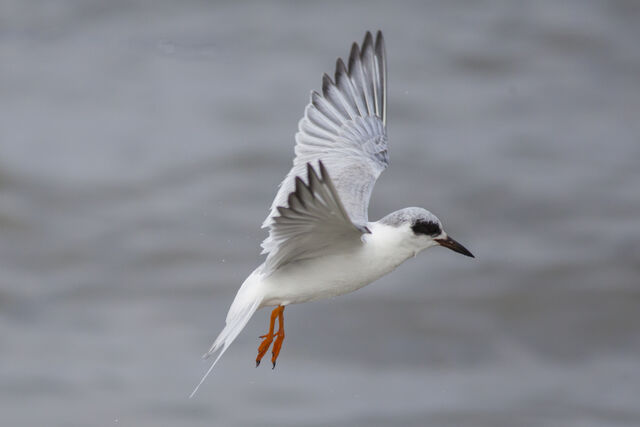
(321, 243)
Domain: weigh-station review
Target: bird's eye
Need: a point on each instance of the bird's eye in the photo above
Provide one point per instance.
(426, 227)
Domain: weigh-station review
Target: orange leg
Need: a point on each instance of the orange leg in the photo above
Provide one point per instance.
(268, 338)
(279, 338)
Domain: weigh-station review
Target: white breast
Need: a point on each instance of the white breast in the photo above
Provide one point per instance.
(381, 252)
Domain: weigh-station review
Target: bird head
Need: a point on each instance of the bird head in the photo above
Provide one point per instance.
(423, 229)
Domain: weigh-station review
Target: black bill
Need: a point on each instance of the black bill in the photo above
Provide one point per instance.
(454, 246)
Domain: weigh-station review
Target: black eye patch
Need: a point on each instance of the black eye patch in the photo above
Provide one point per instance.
(426, 227)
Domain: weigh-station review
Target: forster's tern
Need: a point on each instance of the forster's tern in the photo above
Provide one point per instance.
(321, 243)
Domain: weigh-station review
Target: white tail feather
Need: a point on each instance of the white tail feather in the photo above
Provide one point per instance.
(243, 307)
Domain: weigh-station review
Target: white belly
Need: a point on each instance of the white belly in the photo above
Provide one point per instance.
(329, 276)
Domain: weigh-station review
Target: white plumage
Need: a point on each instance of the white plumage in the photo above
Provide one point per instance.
(321, 243)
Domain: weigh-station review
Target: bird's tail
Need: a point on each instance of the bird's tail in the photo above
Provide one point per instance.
(244, 305)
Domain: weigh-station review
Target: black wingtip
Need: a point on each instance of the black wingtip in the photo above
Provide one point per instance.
(312, 174)
(326, 84)
(323, 170)
(379, 42)
(300, 187)
(354, 55)
(292, 200)
(341, 70)
(314, 97)
(367, 43)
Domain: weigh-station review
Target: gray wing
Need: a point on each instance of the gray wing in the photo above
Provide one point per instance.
(345, 127)
(313, 224)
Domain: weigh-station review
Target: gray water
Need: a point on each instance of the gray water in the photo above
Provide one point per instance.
(140, 147)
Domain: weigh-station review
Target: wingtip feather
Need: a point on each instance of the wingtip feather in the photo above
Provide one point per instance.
(323, 171)
(326, 84)
(354, 55)
(367, 43)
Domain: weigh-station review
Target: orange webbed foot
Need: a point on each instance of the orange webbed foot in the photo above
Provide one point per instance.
(264, 346)
(268, 337)
(277, 346)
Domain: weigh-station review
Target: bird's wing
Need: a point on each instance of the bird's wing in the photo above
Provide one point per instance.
(345, 127)
(313, 223)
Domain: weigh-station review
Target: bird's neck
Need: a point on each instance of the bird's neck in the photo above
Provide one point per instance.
(389, 245)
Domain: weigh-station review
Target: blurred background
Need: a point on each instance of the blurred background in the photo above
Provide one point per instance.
(141, 144)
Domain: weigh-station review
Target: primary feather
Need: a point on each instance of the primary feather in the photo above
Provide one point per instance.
(314, 222)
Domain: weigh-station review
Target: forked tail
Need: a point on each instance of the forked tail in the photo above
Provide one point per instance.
(242, 308)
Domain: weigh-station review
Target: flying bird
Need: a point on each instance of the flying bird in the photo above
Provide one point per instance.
(321, 243)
